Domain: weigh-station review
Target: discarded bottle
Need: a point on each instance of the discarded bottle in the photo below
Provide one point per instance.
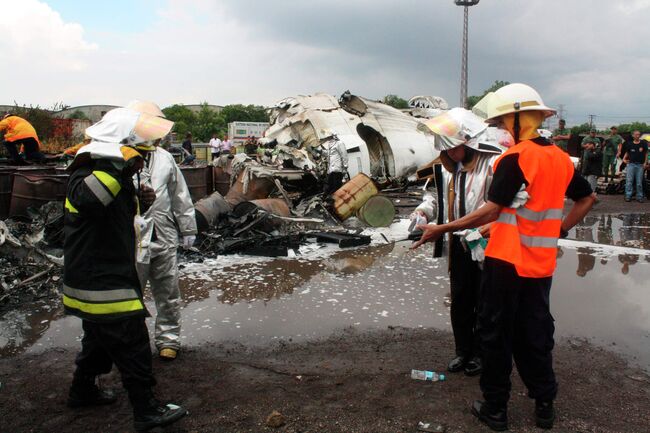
(430, 376)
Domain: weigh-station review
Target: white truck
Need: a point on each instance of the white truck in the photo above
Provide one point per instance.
(238, 132)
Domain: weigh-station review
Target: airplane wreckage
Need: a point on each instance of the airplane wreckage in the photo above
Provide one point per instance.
(272, 203)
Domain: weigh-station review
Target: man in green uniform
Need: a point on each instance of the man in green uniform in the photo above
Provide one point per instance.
(561, 136)
(610, 150)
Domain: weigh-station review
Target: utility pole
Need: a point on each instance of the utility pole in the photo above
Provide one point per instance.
(463, 68)
(591, 121)
(560, 111)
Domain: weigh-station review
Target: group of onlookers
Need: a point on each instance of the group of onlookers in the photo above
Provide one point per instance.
(600, 157)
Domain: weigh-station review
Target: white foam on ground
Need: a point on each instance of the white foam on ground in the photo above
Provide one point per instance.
(602, 250)
(310, 251)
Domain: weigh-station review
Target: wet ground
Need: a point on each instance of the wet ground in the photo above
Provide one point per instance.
(258, 324)
(600, 293)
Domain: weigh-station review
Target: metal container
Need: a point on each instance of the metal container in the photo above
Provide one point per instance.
(351, 196)
(6, 180)
(221, 180)
(274, 206)
(197, 181)
(377, 211)
(34, 190)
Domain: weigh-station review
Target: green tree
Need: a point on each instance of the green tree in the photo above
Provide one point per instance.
(40, 119)
(634, 126)
(183, 118)
(580, 129)
(244, 113)
(395, 101)
(207, 122)
(472, 100)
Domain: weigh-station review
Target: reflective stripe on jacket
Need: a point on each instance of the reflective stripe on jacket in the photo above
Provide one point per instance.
(17, 128)
(527, 237)
(100, 282)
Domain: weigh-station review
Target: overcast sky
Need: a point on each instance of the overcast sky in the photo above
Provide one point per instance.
(590, 55)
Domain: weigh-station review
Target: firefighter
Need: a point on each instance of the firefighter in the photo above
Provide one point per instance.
(171, 214)
(514, 319)
(19, 132)
(468, 149)
(100, 282)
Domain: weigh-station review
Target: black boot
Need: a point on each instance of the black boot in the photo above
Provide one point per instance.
(84, 392)
(491, 415)
(149, 413)
(457, 364)
(473, 367)
(544, 414)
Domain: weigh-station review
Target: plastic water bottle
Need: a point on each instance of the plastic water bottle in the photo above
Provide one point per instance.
(430, 376)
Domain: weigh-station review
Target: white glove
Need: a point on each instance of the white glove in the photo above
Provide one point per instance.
(188, 241)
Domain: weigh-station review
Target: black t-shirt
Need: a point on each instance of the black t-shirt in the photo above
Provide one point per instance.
(508, 179)
(636, 152)
(187, 145)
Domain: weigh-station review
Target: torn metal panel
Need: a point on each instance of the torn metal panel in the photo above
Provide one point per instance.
(395, 146)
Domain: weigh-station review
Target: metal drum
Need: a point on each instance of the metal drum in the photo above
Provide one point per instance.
(221, 180)
(352, 195)
(196, 179)
(378, 211)
(6, 180)
(34, 190)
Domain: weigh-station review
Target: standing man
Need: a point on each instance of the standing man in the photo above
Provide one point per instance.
(468, 153)
(337, 164)
(215, 146)
(514, 317)
(170, 215)
(100, 281)
(610, 152)
(635, 153)
(226, 146)
(591, 162)
(19, 132)
(561, 136)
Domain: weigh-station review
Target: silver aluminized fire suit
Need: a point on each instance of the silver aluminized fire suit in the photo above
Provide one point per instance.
(172, 213)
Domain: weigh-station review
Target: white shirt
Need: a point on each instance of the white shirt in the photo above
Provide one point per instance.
(215, 144)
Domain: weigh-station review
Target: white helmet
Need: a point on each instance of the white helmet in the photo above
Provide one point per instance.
(147, 107)
(512, 98)
(453, 128)
(128, 127)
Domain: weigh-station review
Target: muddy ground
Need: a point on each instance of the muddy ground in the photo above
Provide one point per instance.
(351, 382)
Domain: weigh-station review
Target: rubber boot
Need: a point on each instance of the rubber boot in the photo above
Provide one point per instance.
(492, 415)
(85, 392)
(149, 413)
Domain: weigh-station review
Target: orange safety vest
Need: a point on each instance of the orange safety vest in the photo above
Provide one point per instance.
(17, 128)
(527, 236)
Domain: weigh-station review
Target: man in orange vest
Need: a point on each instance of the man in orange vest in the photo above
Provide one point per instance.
(18, 131)
(525, 204)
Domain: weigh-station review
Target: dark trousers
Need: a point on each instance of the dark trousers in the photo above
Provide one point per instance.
(124, 343)
(31, 149)
(465, 276)
(333, 182)
(515, 321)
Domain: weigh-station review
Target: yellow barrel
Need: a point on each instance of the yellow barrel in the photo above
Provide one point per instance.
(377, 211)
(352, 195)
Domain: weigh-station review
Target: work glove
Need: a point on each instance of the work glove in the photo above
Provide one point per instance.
(188, 241)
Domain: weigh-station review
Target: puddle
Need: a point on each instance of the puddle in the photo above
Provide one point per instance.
(599, 292)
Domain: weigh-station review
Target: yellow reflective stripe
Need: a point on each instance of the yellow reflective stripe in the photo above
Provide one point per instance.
(106, 308)
(111, 183)
(100, 295)
(69, 206)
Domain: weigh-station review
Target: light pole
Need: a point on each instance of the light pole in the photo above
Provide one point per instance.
(463, 69)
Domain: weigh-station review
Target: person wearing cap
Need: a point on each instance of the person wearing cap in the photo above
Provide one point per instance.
(514, 319)
(19, 132)
(561, 136)
(100, 281)
(610, 150)
(468, 150)
(171, 215)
